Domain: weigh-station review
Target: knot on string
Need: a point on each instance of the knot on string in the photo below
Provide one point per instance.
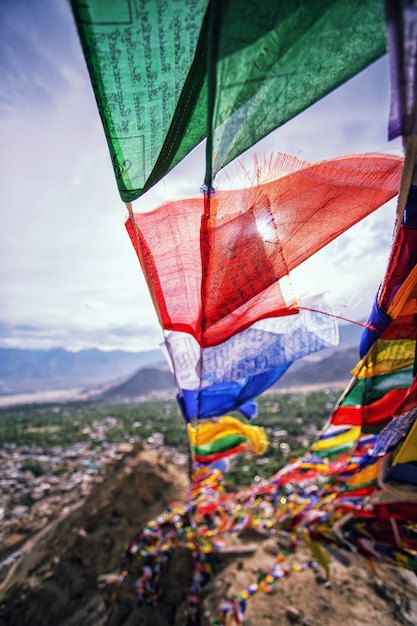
(208, 191)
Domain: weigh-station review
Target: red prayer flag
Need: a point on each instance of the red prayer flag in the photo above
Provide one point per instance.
(215, 267)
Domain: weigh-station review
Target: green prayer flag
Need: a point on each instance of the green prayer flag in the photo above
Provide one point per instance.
(139, 57)
(167, 75)
(219, 445)
(368, 390)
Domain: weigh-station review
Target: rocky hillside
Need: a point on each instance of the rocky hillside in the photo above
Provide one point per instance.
(70, 571)
(57, 581)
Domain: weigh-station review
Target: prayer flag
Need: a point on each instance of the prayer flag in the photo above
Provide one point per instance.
(166, 75)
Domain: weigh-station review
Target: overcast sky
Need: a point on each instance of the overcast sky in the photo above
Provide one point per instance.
(68, 274)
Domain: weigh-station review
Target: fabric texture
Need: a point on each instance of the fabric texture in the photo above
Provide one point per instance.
(212, 440)
(216, 266)
(221, 398)
(266, 345)
(168, 75)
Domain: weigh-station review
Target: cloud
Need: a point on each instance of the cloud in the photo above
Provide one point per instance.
(130, 337)
(37, 47)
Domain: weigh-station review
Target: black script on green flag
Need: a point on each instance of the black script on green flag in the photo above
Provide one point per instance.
(167, 75)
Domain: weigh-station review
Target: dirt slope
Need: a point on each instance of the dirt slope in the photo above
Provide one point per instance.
(68, 577)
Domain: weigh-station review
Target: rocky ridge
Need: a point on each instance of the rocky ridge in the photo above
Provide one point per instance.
(70, 571)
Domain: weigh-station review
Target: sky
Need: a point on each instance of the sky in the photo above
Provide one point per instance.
(69, 276)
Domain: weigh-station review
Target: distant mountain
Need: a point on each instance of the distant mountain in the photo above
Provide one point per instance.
(332, 365)
(26, 371)
(128, 374)
(349, 335)
(335, 368)
(142, 383)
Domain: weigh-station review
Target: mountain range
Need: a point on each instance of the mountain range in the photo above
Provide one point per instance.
(332, 371)
(30, 371)
(132, 374)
